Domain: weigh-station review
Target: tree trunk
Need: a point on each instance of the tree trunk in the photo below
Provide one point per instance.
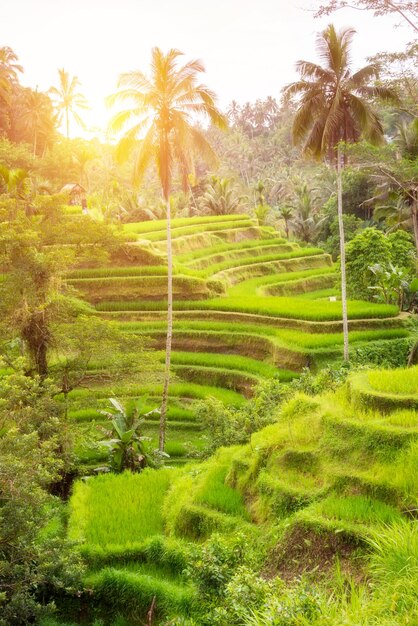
(415, 218)
(67, 121)
(163, 416)
(342, 254)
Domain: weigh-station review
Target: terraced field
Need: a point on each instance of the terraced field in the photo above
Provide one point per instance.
(248, 306)
(329, 485)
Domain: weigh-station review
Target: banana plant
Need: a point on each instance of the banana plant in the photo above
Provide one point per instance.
(128, 448)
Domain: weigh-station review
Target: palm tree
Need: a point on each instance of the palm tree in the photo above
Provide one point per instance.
(68, 100)
(162, 109)
(306, 221)
(220, 197)
(333, 108)
(8, 72)
(286, 214)
(38, 115)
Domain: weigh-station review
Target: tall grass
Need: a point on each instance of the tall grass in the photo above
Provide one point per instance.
(109, 272)
(177, 390)
(249, 244)
(230, 361)
(399, 381)
(251, 286)
(285, 337)
(291, 308)
(196, 229)
(118, 509)
(268, 249)
(232, 263)
(357, 509)
(394, 563)
(156, 225)
(215, 493)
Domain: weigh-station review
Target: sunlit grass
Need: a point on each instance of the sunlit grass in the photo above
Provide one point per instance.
(118, 509)
(292, 308)
(398, 381)
(158, 225)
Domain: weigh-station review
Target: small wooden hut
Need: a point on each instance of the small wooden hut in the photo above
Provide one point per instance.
(77, 195)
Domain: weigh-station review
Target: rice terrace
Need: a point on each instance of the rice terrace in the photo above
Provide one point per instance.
(209, 319)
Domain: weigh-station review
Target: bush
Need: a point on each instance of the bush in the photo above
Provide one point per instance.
(383, 353)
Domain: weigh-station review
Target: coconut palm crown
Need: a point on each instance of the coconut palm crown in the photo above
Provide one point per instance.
(160, 120)
(68, 100)
(333, 105)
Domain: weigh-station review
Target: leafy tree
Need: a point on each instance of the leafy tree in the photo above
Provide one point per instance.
(38, 271)
(89, 349)
(352, 226)
(68, 99)
(405, 9)
(230, 426)
(333, 108)
(36, 561)
(165, 105)
(373, 249)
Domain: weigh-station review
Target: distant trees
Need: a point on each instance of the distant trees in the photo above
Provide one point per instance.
(333, 108)
(163, 107)
(68, 100)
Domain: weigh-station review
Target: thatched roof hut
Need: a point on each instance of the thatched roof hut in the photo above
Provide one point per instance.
(76, 193)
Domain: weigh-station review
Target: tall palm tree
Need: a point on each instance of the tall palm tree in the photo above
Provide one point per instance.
(8, 72)
(162, 108)
(68, 100)
(38, 115)
(334, 108)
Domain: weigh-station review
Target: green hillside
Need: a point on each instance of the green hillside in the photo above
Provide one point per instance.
(324, 499)
(249, 306)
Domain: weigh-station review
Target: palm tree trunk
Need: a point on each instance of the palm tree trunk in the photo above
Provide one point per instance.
(415, 218)
(67, 122)
(163, 415)
(342, 253)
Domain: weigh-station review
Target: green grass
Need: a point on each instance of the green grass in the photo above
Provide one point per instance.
(177, 390)
(158, 225)
(285, 337)
(230, 361)
(241, 263)
(291, 308)
(118, 509)
(271, 248)
(109, 272)
(400, 381)
(249, 244)
(196, 229)
(357, 509)
(214, 493)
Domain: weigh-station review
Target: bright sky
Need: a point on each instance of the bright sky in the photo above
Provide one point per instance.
(249, 47)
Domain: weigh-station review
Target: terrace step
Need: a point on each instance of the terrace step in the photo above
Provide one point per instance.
(231, 316)
(133, 591)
